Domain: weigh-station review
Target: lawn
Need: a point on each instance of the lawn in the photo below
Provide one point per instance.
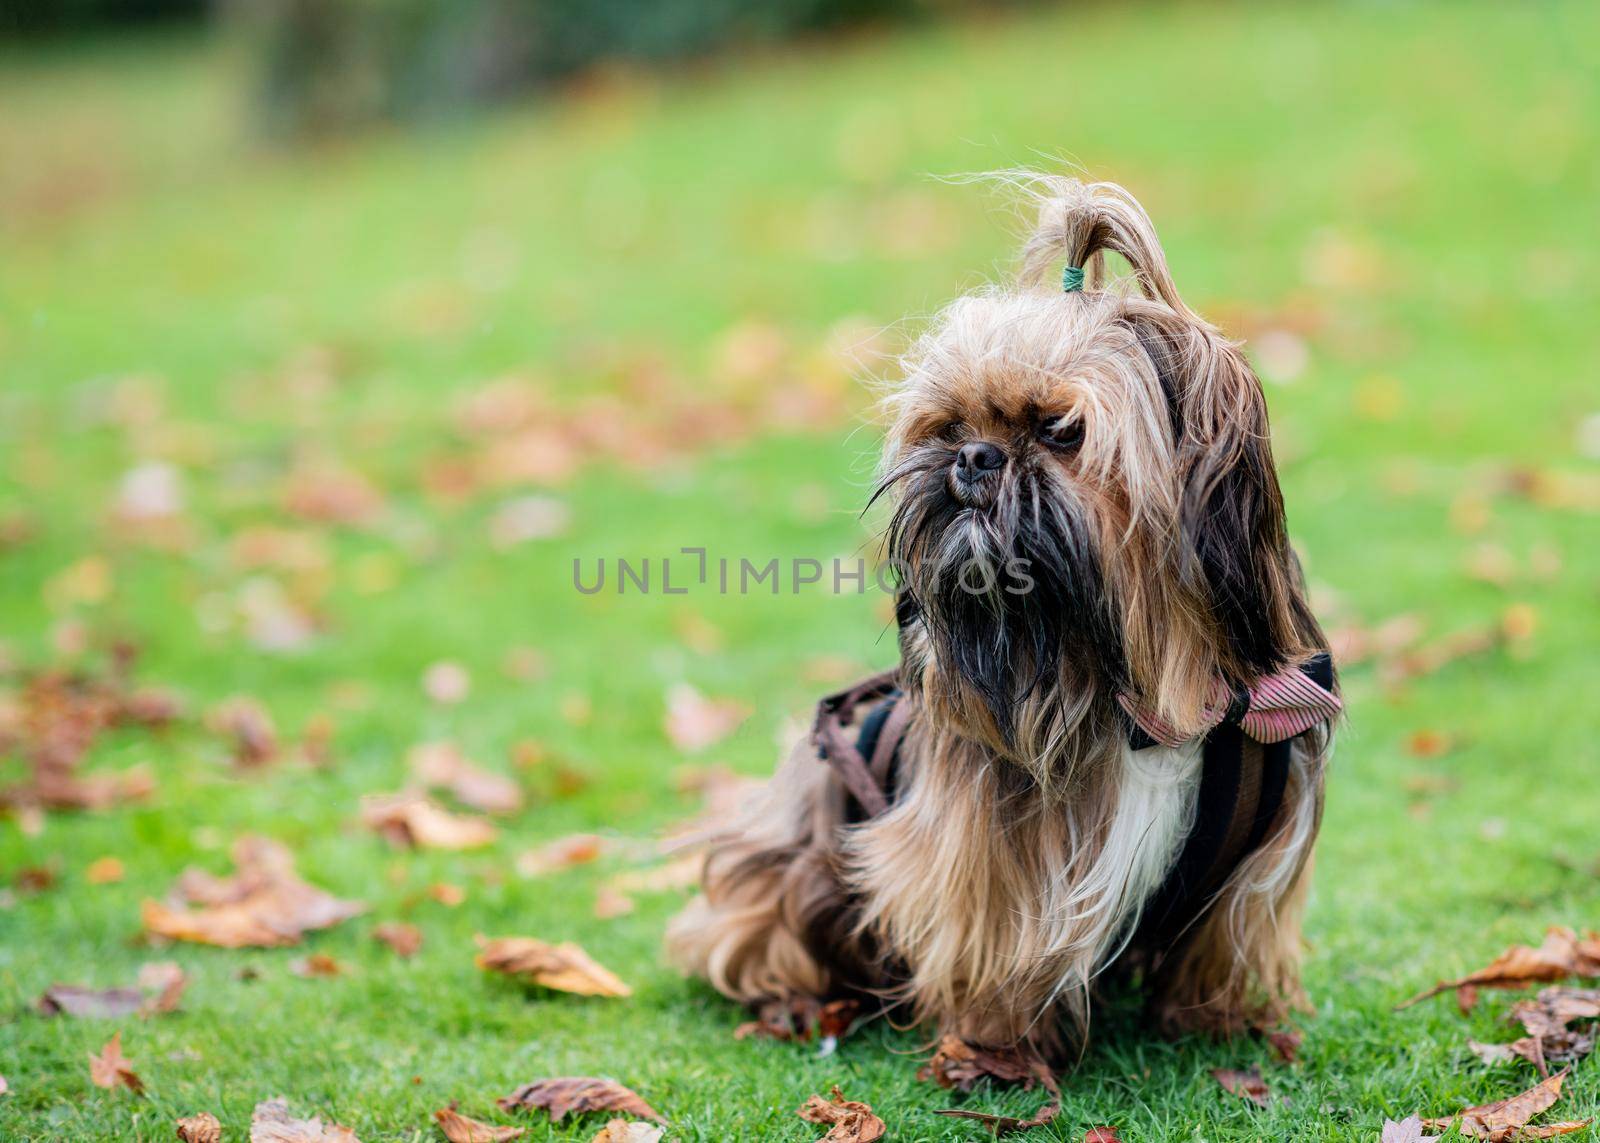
(1396, 203)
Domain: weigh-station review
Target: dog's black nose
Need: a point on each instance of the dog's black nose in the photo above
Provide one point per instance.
(977, 458)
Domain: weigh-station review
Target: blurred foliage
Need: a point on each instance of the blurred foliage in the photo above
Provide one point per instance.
(35, 17)
(329, 64)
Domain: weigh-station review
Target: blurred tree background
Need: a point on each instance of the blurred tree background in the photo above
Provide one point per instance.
(329, 65)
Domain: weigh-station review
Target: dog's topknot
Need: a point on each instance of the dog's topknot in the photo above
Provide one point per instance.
(1079, 223)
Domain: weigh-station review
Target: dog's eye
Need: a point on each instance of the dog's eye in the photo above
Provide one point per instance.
(951, 432)
(1062, 432)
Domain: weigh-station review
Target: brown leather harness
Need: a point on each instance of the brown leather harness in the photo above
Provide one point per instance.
(1242, 787)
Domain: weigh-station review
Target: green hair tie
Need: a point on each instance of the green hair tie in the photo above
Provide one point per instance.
(1072, 279)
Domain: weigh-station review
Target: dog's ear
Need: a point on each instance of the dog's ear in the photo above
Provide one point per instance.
(1232, 542)
(1229, 540)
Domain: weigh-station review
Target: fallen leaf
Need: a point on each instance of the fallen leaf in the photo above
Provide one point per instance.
(1246, 1085)
(695, 722)
(610, 904)
(628, 1131)
(110, 1069)
(250, 729)
(563, 853)
(1541, 1051)
(314, 965)
(443, 765)
(847, 1120)
(159, 988)
(327, 492)
(791, 1019)
(1554, 1008)
(960, 1065)
(563, 968)
(265, 904)
(1508, 1118)
(450, 896)
(97, 1003)
(1429, 744)
(200, 1128)
(1562, 954)
(1101, 1135)
(404, 939)
(272, 1123)
(1408, 1130)
(1285, 1043)
(446, 682)
(104, 871)
(459, 1129)
(165, 980)
(681, 873)
(578, 1095)
(416, 821)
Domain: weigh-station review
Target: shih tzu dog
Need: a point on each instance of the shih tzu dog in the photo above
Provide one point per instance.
(1101, 755)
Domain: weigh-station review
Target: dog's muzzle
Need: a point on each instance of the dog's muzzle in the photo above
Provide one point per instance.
(975, 466)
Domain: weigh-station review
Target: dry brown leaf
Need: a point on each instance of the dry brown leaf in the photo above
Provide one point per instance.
(563, 968)
(314, 965)
(1101, 1135)
(578, 1095)
(404, 939)
(265, 904)
(695, 722)
(443, 765)
(1285, 1043)
(1508, 1118)
(200, 1128)
(609, 904)
(160, 987)
(628, 1131)
(1554, 1008)
(448, 895)
(272, 1123)
(97, 1003)
(680, 873)
(165, 981)
(1562, 954)
(792, 1019)
(458, 1128)
(110, 1069)
(249, 728)
(847, 1120)
(330, 493)
(563, 853)
(960, 1065)
(1246, 1085)
(104, 871)
(415, 821)
(1541, 1051)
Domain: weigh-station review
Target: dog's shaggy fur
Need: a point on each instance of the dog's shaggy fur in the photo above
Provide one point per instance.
(1135, 479)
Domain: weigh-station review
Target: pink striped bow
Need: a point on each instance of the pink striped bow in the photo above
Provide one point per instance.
(1281, 706)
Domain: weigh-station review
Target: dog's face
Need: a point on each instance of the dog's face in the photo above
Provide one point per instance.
(1085, 505)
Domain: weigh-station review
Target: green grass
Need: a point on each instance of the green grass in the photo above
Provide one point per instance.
(1418, 180)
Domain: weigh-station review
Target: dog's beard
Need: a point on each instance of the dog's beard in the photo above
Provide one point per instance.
(1008, 585)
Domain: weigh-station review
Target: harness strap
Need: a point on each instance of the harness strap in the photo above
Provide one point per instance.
(1242, 787)
(863, 778)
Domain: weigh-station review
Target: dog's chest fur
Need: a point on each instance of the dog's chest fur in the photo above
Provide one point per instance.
(1038, 890)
